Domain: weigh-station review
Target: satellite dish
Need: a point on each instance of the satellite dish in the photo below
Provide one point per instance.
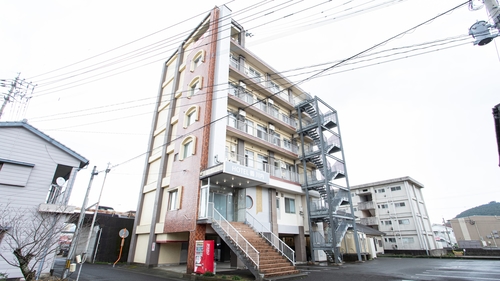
(60, 181)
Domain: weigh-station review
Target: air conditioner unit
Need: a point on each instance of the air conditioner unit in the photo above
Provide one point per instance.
(233, 148)
(270, 101)
(243, 85)
(271, 127)
(242, 112)
(283, 165)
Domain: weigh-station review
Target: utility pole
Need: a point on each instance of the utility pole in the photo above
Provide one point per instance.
(20, 91)
(79, 225)
(96, 206)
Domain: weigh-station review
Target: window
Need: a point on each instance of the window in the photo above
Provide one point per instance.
(391, 240)
(188, 147)
(274, 87)
(383, 206)
(193, 89)
(287, 143)
(388, 222)
(278, 208)
(395, 188)
(289, 205)
(404, 221)
(249, 202)
(399, 204)
(355, 209)
(248, 158)
(381, 190)
(254, 74)
(195, 85)
(262, 162)
(191, 115)
(408, 240)
(172, 200)
(198, 58)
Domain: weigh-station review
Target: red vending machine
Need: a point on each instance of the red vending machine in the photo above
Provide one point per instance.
(204, 256)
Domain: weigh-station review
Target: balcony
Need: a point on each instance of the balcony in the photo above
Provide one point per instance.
(267, 108)
(270, 138)
(364, 206)
(279, 169)
(369, 221)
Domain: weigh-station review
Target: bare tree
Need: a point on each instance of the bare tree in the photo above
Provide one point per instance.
(32, 236)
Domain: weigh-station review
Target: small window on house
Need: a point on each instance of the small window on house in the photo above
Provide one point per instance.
(289, 205)
(381, 190)
(388, 222)
(399, 204)
(395, 188)
(391, 240)
(408, 240)
(383, 206)
(404, 221)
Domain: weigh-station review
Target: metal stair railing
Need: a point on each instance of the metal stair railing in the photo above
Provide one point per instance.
(274, 240)
(234, 235)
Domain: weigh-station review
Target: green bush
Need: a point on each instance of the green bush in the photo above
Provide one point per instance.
(208, 273)
(236, 278)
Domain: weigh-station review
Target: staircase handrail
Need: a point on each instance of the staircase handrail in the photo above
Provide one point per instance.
(234, 234)
(274, 240)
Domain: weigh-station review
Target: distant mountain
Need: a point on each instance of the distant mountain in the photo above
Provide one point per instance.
(490, 209)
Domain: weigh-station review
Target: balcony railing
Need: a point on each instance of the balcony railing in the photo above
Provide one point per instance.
(247, 97)
(278, 170)
(369, 221)
(260, 133)
(368, 205)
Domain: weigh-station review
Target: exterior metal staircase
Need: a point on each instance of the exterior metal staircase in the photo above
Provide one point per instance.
(322, 129)
(257, 253)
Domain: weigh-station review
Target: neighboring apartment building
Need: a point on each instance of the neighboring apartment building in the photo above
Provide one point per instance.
(36, 173)
(477, 231)
(397, 208)
(229, 140)
(445, 237)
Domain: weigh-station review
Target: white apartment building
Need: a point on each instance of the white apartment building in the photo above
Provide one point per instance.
(397, 208)
(233, 141)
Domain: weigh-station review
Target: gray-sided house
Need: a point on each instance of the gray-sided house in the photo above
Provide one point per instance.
(36, 176)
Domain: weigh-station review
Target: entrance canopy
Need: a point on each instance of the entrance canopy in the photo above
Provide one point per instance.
(235, 175)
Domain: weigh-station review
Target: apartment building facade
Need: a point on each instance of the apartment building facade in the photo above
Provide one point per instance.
(229, 143)
(397, 208)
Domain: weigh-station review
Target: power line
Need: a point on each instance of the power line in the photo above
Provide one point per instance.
(312, 76)
(401, 51)
(152, 56)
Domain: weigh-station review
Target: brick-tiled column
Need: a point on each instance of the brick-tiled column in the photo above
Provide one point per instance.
(197, 234)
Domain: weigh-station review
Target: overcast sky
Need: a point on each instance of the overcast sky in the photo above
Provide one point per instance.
(419, 105)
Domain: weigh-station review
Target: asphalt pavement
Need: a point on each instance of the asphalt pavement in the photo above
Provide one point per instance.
(381, 269)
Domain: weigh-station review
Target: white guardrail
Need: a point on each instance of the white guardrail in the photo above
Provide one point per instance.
(230, 231)
(275, 241)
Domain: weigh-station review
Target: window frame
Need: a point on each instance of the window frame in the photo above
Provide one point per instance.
(191, 116)
(186, 153)
(289, 206)
(197, 60)
(171, 204)
(195, 86)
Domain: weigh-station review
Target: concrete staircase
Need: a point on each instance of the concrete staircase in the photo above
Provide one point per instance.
(271, 263)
